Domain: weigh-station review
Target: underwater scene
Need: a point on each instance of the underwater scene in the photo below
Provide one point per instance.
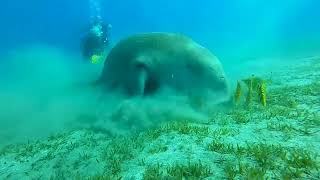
(159, 90)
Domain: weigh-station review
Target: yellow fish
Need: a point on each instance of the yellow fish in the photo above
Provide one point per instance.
(262, 89)
(95, 59)
(238, 93)
(253, 82)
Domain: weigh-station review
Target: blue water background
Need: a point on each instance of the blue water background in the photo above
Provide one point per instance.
(233, 29)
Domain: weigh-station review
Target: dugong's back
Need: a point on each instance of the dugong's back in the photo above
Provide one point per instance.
(129, 48)
(140, 42)
(136, 44)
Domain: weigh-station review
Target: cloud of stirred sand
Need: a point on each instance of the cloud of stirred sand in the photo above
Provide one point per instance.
(45, 90)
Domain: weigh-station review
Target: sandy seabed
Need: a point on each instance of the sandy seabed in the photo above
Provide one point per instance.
(279, 141)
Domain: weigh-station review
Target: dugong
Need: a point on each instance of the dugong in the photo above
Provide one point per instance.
(144, 63)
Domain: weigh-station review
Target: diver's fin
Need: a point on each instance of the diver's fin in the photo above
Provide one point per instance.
(86, 84)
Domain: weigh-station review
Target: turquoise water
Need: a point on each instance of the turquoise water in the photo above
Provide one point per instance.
(225, 27)
(57, 122)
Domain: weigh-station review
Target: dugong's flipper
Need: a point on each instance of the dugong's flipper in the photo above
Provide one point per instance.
(142, 78)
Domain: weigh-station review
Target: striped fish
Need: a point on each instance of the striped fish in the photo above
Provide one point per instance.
(238, 93)
(262, 90)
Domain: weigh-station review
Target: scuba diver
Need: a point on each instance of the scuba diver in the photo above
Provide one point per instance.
(96, 41)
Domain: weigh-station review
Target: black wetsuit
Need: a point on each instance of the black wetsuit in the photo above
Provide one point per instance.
(92, 44)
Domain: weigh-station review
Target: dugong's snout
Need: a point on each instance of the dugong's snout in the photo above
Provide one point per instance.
(217, 90)
(217, 81)
(220, 84)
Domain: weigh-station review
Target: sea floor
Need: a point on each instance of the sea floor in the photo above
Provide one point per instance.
(279, 141)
